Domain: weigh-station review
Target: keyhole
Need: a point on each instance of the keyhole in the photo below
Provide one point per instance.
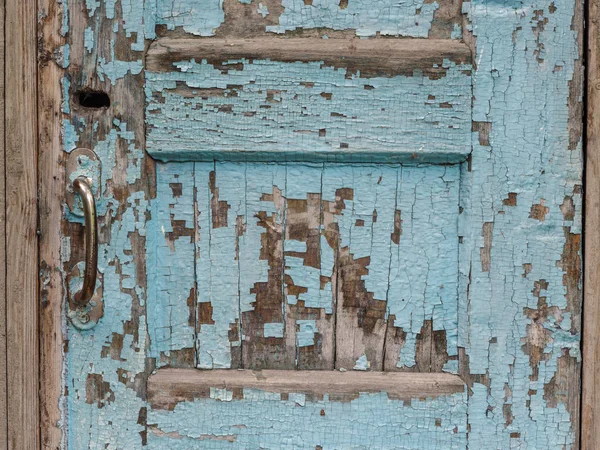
(93, 99)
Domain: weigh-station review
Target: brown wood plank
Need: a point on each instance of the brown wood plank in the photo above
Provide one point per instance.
(167, 387)
(21, 226)
(304, 220)
(51, 179)
(260, 351)
(3, 367)
(384, 57)
(360, 313)
(590, 420)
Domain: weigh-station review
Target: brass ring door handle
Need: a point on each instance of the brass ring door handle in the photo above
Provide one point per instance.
(82, 187)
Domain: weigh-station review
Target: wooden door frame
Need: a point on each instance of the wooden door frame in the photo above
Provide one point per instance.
(590, 396)
(19, 401)
(30, 278)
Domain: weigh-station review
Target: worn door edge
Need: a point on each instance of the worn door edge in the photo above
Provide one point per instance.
(51, 60)
(3, 367)
(20, 234)
(590, 398)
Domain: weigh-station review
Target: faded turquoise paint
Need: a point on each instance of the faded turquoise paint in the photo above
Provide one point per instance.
(229, 265)
(423, 283)
(170, 253)
(199, 17)
(218, 272)
(265, 420)
(314, 113)
(300, 180)
(112, 419)
(273, 330)
(410, 18)
(306, 332)
(525, 62)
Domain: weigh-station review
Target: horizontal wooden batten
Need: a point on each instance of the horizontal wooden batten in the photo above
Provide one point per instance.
(167, 387)
(309, 100)
(372, 57)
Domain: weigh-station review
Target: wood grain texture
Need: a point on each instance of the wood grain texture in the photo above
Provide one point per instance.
(51, 180)
(3, 367)
(373, 57)
(590, 408)
(167, 387)
(21, 226)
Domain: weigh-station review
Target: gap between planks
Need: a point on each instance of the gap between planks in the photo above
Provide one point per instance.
(167, 387)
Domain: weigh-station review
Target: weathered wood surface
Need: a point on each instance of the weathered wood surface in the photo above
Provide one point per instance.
(370, 57)
(590, 408)
(51, 182)
(3, 298)
(522, 200)
(108, 365)
(168, 387)
(519, 234)
(265, 109)
(21, 226)
(298, 266)
(252, 418)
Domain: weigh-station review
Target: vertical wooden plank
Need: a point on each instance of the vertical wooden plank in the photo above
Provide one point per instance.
(308, 269)
(261, 269)
(51, 180)
(422, 296)
(3, 367)
(363, 262)
(170, 247)
(106, 44)
(590, 410)
(21, 227)
(220, 191)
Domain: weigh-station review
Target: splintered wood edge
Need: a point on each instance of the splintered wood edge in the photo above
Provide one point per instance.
(167, 387)
(386, 57)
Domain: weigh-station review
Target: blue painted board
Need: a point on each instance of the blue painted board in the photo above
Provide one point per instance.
(262, 110)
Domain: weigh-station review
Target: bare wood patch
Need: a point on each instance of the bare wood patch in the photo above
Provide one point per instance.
(20, 98)
(483, 128)
(360, 318)
(219, 207)
(258, 351)
(486, 250)
(303, 224)
(539, 211)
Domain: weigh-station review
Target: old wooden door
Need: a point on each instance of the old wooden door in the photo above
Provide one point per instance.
(322, 224)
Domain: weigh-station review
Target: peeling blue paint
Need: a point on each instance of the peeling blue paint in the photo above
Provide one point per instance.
(115, 70)
(316, 113)
(503, 219)
(410, 18)
(199, 17)
(306, 332)
(273, 330)
(521, 94)
(89, 39)
(262, 10)
(170, 262)
(271, 422)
